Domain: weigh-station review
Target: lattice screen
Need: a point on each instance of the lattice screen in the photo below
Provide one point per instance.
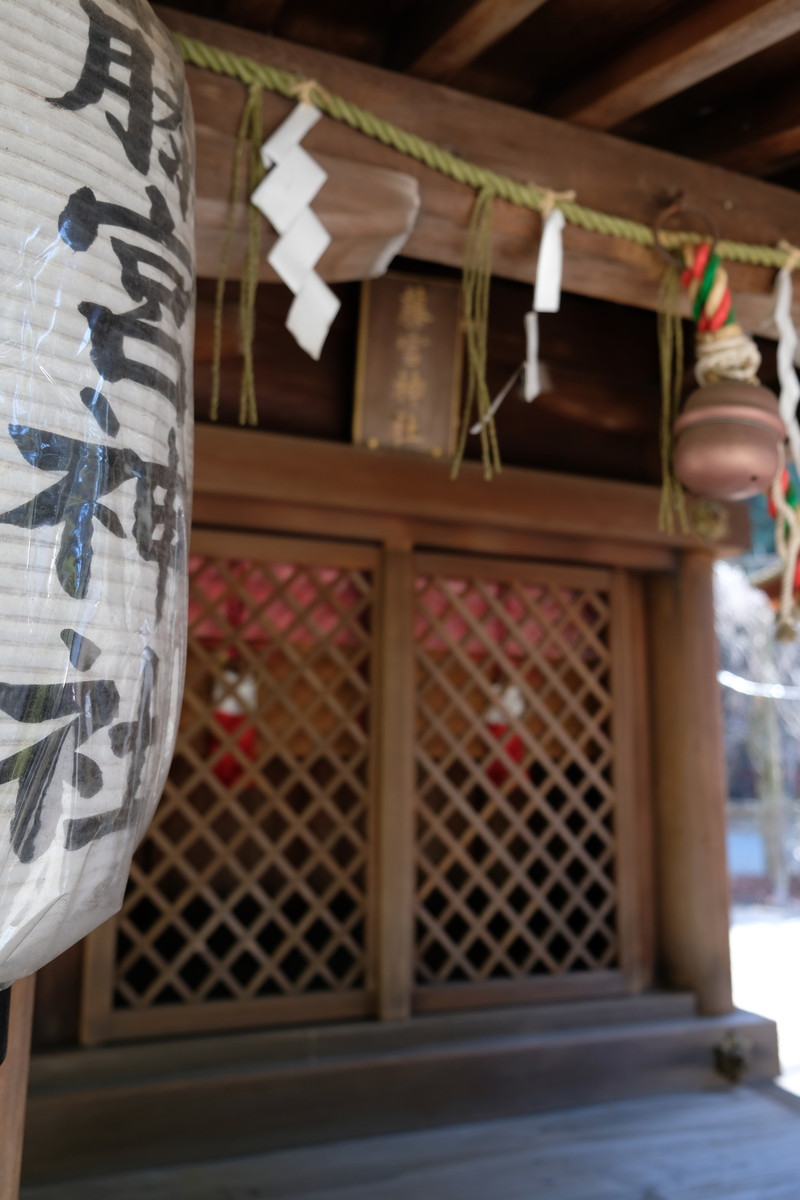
(515, 773)
(251, 884)
(253, 899)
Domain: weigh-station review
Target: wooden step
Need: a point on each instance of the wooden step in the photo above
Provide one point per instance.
(131, 1107)
(740, 1145)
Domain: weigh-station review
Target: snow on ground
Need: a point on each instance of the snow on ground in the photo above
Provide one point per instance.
(765, 954)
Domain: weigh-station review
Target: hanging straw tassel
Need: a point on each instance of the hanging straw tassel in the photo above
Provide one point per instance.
(248, 409)
(670, 346)
(250, 130)
(475, 297)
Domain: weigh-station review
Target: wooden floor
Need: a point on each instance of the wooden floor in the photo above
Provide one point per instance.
(737, 1145)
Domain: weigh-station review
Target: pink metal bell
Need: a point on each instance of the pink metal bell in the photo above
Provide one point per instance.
(727, 440)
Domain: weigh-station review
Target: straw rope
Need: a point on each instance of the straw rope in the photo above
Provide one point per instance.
(524, 195)
(710, 287)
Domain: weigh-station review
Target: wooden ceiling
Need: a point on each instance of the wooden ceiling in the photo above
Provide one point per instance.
(710, 79)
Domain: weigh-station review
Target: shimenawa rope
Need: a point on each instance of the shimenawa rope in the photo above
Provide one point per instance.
(488, 185)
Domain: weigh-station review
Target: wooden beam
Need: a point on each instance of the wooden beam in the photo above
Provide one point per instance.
(262, 15)
(690, 788)
(768, 152)
(710, 38)
(14, 1087)
(438, 50)
(212, 511)
(263, 468)
(608, 174)
(758, 138)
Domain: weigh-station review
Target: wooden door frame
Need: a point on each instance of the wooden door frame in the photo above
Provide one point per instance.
(631, 785)
(14, 1086)
(390, 992)
(99, 1020)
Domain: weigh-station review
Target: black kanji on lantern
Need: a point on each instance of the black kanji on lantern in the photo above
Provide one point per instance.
(91, 472)
(101, 73)
(44, 768)
(157, 282)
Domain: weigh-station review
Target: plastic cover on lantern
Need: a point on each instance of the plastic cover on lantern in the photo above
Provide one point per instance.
(96, 334)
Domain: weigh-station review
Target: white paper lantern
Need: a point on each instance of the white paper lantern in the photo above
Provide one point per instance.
(96, 334)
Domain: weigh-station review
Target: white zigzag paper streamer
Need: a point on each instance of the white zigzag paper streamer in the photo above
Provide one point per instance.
(787, 375)
(284, 196)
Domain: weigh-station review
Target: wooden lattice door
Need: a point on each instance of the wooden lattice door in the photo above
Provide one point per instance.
(294, 850)
(248, 900)
(525, 775)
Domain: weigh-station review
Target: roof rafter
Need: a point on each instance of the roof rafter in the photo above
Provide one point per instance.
(756, 139)
(436, 51)
(707, 40)
(262, 15)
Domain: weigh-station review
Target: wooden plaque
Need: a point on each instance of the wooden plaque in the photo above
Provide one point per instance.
(408, 377)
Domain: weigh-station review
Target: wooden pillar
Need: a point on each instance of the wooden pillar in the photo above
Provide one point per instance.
(634, 825)
(14, 1086)
(690, 785)
(394, 749)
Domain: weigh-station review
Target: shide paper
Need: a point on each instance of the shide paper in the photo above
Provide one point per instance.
(96, 332)
(284, 197)
(787, 349)
(546, 296)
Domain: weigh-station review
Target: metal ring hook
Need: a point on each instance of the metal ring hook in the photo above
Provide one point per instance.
(675, 209)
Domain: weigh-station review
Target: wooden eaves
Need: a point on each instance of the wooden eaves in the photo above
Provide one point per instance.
(433, 48)
(607, 173)
(707, 40)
